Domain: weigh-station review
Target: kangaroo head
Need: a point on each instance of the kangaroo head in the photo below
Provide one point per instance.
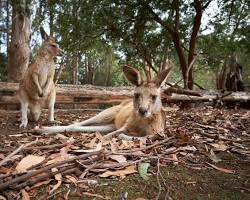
(147, 94)
(49, 45)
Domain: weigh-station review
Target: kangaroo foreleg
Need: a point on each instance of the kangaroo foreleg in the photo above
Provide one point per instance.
(114, 133)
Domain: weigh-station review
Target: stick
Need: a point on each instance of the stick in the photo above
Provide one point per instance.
(24, 177)
(148, 147)
(7, 158)
(30, 182)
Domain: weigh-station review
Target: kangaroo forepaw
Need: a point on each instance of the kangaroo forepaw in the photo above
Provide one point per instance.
(23, 124)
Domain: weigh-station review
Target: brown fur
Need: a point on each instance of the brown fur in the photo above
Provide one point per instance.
(141, 116)
(37, 87)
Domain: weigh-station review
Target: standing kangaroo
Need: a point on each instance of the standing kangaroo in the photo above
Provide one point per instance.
(37, 86)
(141, 116)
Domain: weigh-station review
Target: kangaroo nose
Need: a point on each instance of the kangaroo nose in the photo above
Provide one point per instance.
(142, 111)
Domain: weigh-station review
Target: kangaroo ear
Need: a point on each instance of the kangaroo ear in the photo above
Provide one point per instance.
(159, 79)
(44, 35)
(132, 75)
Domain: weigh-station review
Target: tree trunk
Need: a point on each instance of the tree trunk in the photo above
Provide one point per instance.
(75, 68)
(181, 56)
(221, 76)
(19, 50)
(7, 26)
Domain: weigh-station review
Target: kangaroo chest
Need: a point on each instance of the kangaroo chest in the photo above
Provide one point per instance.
(45, 71)
(145, 126)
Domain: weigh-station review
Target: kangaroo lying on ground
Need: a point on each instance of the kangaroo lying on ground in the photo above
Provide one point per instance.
(37, 86)
(141, 116)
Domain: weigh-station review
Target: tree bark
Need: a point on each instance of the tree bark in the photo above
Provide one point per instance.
(192, 43)
(7, 26)
(19, 50)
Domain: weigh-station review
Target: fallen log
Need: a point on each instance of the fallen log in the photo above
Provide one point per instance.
(78, 94)
(72, 94)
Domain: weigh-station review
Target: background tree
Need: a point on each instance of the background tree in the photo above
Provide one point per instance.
(19, 50)
(100, 36)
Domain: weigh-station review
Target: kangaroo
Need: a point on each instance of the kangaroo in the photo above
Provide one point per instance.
(139, 117)
(37, 87)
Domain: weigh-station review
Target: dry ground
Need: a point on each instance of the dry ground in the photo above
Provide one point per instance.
(208, 158)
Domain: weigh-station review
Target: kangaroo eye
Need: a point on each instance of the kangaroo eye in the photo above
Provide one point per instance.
(137, 95)
(53, 45)
(153, 97)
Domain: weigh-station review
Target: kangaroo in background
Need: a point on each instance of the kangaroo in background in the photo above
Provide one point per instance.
(141, 116)
(37, 87)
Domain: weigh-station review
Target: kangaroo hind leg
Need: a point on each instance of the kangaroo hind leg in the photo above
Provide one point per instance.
(75, 128)
(105, 117)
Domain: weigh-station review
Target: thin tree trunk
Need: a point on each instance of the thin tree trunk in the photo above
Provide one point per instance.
(19, 50)
(181, 55)
(192, 43)
(75, 68)
(7, 26)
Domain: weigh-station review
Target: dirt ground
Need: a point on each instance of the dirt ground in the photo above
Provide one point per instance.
(190, 175)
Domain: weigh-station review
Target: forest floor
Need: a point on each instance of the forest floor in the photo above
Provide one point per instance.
(207, 157)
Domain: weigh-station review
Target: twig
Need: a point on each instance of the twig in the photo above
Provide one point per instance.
(87, 169)
(95, 195)
(158, 180)
(7, 158)
(47, 147)
(30, 182)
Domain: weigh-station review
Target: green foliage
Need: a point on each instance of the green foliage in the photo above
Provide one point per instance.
(100, 36)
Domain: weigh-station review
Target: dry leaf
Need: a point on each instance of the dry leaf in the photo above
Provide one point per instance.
(2, 197)
(98, 148)
(92, 143)
(113, 145)
(118, 158)
(2, 156)
(28, 162)
(213, 157)
(71, 179)
(99, 136)
(174, 157)
(142, 142)
(120, 173)
(61, 136)
(16, 157)
(41, 183)
(25, 195)
(89, 182)
(219, 146)
(187, 148)
(58, 177)
(229, 171)
(58, 157)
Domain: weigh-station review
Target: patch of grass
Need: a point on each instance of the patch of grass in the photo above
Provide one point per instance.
(182, 183)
